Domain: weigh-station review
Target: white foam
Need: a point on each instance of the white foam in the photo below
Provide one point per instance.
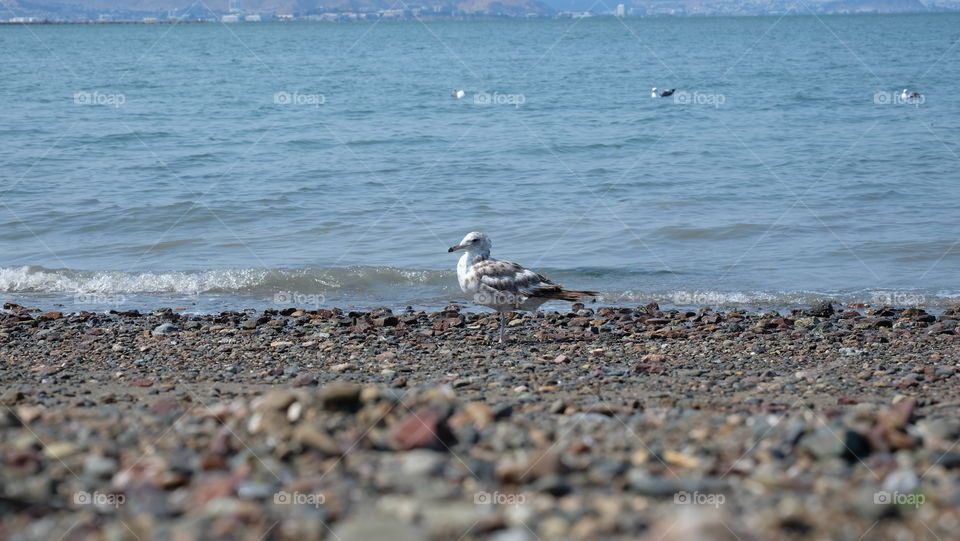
(40, 280)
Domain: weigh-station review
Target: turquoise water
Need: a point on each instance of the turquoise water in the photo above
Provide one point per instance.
(230, 166)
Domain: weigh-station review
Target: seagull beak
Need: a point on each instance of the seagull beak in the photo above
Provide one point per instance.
(455, 247)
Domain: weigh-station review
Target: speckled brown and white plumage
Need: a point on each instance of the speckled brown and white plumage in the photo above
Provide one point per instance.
(504, 285)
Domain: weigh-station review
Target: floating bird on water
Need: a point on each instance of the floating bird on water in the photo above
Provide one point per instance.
(664, 94)
(503, 285)
(458, 94)
(905, 95)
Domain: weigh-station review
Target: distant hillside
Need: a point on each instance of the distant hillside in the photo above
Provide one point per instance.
(506, 7)
(303, 7)
(136, 9)
(874, 6)
(690, 7)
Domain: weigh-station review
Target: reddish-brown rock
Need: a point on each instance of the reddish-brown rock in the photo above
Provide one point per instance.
(423, 428)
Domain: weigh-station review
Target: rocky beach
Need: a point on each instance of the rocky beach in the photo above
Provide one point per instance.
(824, 422)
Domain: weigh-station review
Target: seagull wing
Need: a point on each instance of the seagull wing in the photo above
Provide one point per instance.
(510, 277)
(514, 279)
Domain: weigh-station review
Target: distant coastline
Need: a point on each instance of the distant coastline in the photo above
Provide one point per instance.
(353, 17)
(257, 11)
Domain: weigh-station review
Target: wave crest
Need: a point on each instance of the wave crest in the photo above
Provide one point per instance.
(30, 279)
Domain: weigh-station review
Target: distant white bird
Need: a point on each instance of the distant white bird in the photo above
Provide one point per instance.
(458, 94)
(503, 285)
(905, 95)
(664, 94)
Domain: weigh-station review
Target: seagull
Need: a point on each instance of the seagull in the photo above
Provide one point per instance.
(504, 285)
(458, 94)
(910, 95)
(664, 94)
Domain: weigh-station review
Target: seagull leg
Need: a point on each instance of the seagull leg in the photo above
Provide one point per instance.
(503, 326)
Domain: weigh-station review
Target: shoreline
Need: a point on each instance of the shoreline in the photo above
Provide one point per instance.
(620, 423)
(792, 305)
(467, 308)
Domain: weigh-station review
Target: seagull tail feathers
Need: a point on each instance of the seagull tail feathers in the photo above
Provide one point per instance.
(573, 295)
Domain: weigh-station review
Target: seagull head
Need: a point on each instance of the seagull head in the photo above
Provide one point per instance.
(475, 242)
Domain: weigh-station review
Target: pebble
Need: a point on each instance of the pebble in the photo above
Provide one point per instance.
(422, 428)
(366, 526)
(513, 534)
(903, 481)
(304, 380)
(557, 406)
(99, 467)
(314, 436)
(164, 329)
(420, 463)
(340, 395)
(251, 490)
(835, 442)
(60, 450)
(342, 367)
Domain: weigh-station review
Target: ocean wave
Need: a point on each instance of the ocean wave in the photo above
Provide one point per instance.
(32, 279)
(781, 300)
(391, 286)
